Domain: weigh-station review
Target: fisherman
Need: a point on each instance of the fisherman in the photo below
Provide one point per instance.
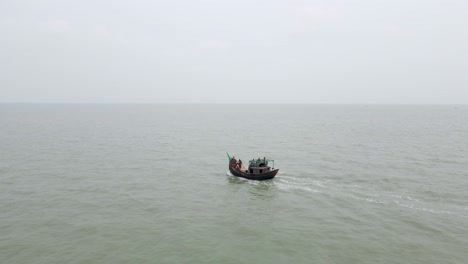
(240, 163)
(233, 161)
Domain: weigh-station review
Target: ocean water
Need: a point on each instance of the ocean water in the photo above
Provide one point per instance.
(130, 183)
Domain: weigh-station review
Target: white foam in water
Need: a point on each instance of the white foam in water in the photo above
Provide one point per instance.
(295, 187)
(290, 184)
(361, 193)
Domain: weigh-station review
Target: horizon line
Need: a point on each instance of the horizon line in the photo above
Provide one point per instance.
(225, 103)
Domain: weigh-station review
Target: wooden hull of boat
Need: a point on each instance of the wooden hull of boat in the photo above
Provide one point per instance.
(253, 176)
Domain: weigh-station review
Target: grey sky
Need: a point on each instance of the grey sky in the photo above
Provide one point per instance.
(365, 51)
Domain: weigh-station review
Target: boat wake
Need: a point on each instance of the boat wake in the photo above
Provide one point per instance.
(340, 189)
(291, 183)
(337, 189)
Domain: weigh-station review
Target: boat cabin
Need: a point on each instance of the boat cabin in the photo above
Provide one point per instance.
(259, 165)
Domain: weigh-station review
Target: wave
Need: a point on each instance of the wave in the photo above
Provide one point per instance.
(348, 190)
(365, 191)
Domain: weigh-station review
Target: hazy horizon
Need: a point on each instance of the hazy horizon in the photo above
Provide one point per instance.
(230, 103)
(288, 52)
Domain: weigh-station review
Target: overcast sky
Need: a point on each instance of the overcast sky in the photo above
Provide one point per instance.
(218, 51)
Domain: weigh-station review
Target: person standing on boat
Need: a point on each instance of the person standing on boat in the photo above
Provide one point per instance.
(240, 164)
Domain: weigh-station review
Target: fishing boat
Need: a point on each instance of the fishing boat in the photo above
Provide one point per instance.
(258, 169)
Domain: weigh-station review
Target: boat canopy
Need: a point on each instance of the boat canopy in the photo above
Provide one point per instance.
(259, 162)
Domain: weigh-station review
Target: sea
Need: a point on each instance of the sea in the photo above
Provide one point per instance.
(149, 183)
